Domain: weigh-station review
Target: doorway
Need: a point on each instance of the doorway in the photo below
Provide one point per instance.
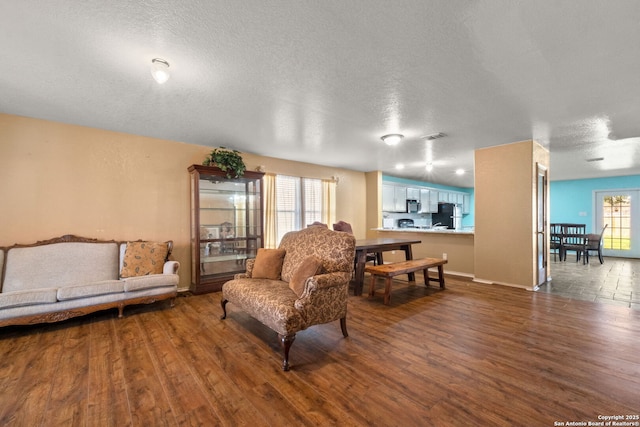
(621, 210)
(542, 225)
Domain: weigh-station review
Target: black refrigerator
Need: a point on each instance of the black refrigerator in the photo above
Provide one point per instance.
(445, 215)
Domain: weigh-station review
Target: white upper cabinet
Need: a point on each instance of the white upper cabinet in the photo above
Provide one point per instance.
(401, 199)
(394, 198)
(413, 193)
(466, 203)
(428, 201)
(388, 198)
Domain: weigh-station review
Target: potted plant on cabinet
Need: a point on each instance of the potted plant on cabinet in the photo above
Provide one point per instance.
(227, 160)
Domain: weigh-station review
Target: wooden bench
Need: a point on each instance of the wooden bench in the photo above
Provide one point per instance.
(388, 271)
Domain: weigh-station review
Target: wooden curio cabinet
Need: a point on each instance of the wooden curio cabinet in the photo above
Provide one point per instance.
(226, 225)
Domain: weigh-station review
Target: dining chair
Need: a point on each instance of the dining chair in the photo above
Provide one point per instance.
(573, 239)
(594, 244)
(555, 240)
(346, 227)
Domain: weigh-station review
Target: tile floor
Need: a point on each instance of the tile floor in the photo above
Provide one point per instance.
(617, 281)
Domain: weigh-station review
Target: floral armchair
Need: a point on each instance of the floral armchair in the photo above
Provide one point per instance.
(304, 282)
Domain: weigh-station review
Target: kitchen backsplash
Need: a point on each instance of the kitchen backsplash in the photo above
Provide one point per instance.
(419, 220)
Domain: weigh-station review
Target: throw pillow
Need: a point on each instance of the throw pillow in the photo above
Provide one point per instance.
(143, 258)
(268, 264)
(307, 268)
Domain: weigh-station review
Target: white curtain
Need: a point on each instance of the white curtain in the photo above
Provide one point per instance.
(328, 202)
(270, 212)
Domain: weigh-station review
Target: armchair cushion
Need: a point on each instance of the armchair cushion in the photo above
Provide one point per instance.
(307, 268)
(268, 264)
(271, 302)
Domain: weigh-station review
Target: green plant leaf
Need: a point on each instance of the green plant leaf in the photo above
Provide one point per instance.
(227, 160)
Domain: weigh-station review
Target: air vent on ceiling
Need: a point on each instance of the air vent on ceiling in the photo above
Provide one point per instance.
(596, 159)
(434, 136)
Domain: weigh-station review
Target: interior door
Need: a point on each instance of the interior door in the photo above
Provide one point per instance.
(542, 252)
(621, 210)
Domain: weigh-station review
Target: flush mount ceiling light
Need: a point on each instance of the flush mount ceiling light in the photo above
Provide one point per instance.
(459, 171)
(160, 70)
(392, 138)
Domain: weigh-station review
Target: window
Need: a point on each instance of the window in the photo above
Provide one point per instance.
(617, 213)
(301, 201)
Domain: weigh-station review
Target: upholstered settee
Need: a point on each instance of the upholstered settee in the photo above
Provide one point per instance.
(304, 282)
(71, 276)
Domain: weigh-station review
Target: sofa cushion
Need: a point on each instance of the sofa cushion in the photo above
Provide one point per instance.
(150, 281)
(268, 264)
(307, 268)
(30, 297)
(71, 263)
(90, 290)
(143, 258)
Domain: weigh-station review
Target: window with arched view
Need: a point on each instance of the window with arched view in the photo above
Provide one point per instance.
(616, 211)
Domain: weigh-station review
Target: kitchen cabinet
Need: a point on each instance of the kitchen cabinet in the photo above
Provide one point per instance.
(388, 198)
(443, 196)
(428, 201)
(394, 198)
(466, 204)
(226, 225)
(400, 199)
(413, 193)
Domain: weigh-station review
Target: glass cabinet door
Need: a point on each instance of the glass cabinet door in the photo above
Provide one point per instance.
(226, 217)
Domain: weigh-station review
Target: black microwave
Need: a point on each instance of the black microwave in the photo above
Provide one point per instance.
(413, 206)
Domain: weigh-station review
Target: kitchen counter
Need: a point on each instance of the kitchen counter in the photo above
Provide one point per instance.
(425, 230)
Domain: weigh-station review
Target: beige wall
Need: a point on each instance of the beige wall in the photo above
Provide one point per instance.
(62, 179)
(505, 213)
(459, 248)
(374, 202)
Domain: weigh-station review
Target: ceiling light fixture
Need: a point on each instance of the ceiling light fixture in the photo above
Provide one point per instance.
(459, 171)
(392, 138)
(429, 167)
(160, 70)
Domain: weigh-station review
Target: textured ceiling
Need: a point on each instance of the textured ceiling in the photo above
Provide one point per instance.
(321, 81)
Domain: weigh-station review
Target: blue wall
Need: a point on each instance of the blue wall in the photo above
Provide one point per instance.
(468, 220)
(568, 200)
(572, 201)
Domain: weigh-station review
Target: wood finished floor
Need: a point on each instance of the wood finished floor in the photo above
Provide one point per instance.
(470, 355)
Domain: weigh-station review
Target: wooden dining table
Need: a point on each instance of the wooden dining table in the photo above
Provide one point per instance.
(378, 246)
